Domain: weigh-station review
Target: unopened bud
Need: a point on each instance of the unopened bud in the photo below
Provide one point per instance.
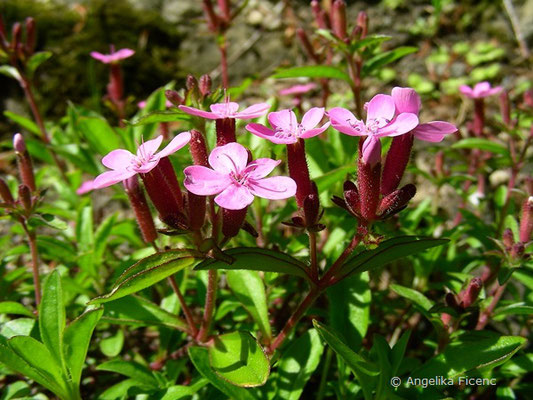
(351, 196)
(24, 162)
(198, 148)
(312, 207)
(508, 238)
(210, 16)
(140, 208)
(526, 222)
(5, 193)
(338, 19)
(174, 97)
(396, 200)
(472, 292)
(30, 35)
(16, 34)
(306, 44)
(362, 21)
(224, 7)
(319, 15)
(205, 85)
(232, 221)
(25, 198)
(225, 128)
(517, 251)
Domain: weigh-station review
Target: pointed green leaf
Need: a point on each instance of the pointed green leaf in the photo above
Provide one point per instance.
(111, 346)
(52, 316)
(36, 60)
(297, 364)
(388, 251)
(133, 370)
(398, 351)
(385, 58)
(160, 116)
(238, 358)
(314, 71)
(482, 144)
(76, 341)
(12, 307)
(256, 259)
(249, 289)
(414, 295)
(24, 122)
(99, 134)
(10, 72)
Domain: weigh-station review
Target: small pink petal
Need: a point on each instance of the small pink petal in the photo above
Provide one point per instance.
(381, 106)
(371, 151)
(231, 157)
(85, 187)
(261, 131)
(275, 188)
(494, 90)
(260, 168)
(481, 88)
(284, 119)
(118, 159)
(466, 90)
(204, 181)
(175, 144)
(406, 100)
(198, 113)
(254, 111)
(109, 178)
(312, 117)
(122, 54)
(141, 104)
(434, 131)
(314, 132)
(225, 110)
(403, 123)
(235, 197)
(148, 148)
(344, 121)
(100, 57)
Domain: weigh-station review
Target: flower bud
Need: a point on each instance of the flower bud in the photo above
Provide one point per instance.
(368, 180)
(224, 7)
(5, 193)
(479, 117)
(505, 108)
(174, 97)
(30, 35)
(191, 83)
(508, 238)
(338, 19)
(232, 221)
(396, 162)
(517, 251)
(16, 34)
(396, 201)
(319, 15)
(471, 293)
(24, 162)
(210, 16)
(352, 199)
(198, 148)
(299, 171)
(205, 85)
(362, 21)
(306, 44)
(526, 222)
(140, 208)
(25, 198)
(311, 206)
(225, 128)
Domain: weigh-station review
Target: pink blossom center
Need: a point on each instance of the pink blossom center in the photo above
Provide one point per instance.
(371, 127)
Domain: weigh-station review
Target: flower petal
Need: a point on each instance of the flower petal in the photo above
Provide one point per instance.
(261, 167)
(434, 131)
(175, 144)
(85, 187)
(371, 150)
(235, 197)
(254, 111)
(381, 106)
(406, 100)
(225, 110)
(467, 91)
(312, 117)
(266, 133)
(314, 132)
(109, 178)
(198, 113)
(122, 54)
(118, 159)
(274, 188)
(481, 88)
(344, 121)
(494, 90)
(403, 123)
(231, 157)
(101, 57)
(148, 148)
(283, 119)
(204, 181)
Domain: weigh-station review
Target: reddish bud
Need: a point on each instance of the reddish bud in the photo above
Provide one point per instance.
(311, 207)
(30, 35)
(451, 301)
(205, 85)
(174, 97)
(232, 221)
(526, 222)
(479, 117)
(224, 7)
(191, 83)
(225, 128)
(306, 44)
(505, 108)
(5, 193)
(299, 171)
(396, 162)
(471, 293)
(517, 251)
(25, 198)
(338, 19)
(319, 15)
(16, 35)
(210, 16)
(198, 148)
(508, 238)
(140, 208)
(362, 22)
(528, 98)
(24, 162)
(352, 199)
(396, 201)
(446, 319)
(368, 180)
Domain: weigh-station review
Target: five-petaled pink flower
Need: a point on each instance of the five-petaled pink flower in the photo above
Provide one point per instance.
(381, 120)
(228, 109)
(236, 181)
(113, 57)
(286, 128)
(407, 100)
(480, 90)
(124, 164)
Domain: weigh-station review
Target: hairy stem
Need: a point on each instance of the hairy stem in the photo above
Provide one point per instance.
(34, 262)
(186, 310)
(210, 300)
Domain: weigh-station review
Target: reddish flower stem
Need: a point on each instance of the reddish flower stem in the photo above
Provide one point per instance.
(485, 316)
(186, 310)
(34, 261)
(210, 300)
(224, 61)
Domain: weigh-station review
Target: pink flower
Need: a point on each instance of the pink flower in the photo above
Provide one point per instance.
(286, 127)
(124, 164)
(480, 90)
(85, 187)
(381, 120)
(407, 100)
(235, 180)
(228, 110)
(297, 89)
(114, 57)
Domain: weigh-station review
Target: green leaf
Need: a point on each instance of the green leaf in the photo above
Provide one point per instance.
(415, 296)
(482, 144)
(249, 289)
(36, 60)
(76, 341)
(512, 309)
(160, 116)
(398, 351)
(297, 364)
(471, 351)
(315, 71)
(10, 72)
(369, 41)
(133, 370)
(256, 259)
(112, 345)
(385, 58)
(147, 272)
(100, 136)
(12, 307)
(52, 316)
(24, 122)
(388, 251)
(200, 359)
(325, 181)
(237, 358)
(178, 392)
(137, 311)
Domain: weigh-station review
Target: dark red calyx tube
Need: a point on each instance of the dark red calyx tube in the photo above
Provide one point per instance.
(25, 199)
(396, 162)
(299, 171)
(479, 117)
(508, 238)
(225, 128)
(5, 193)
(526, 222)
(232, 221)
(469, 296)
(196, 205)
(396, 201)
(174, 97)
(368, 179)
(140, 208)
(115, 88)
(205, 85)
(338, 19)
(311, 207)
(24, 162)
